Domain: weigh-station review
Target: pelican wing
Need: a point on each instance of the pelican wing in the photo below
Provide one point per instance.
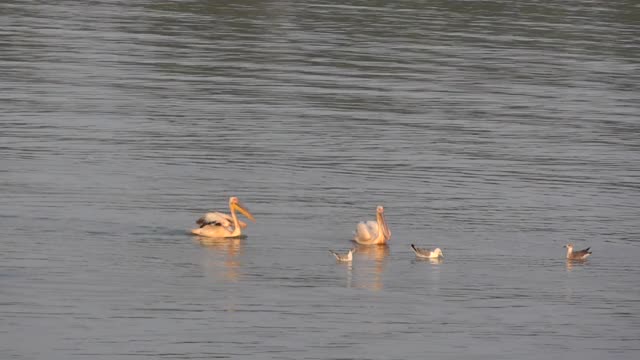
(366, 231)
(373, 228)
(212, 218)
(218, 218)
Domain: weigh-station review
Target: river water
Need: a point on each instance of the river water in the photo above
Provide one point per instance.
(496, 130)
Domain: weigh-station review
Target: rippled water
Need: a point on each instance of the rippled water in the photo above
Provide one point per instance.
(497, 130)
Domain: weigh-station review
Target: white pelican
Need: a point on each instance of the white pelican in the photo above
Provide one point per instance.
(219, 225)
(344, 257)
(427, 253)
(577, 255)
(373, 232)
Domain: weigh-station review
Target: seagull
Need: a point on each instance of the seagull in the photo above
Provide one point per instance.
(427, 253)
(344, 257)
(577, 255)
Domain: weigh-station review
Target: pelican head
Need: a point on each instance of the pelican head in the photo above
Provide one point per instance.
(438, 252)
(236, 204)
(382, 222)
(569, 246)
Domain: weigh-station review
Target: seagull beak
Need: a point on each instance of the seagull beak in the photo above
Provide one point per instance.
(240, 207)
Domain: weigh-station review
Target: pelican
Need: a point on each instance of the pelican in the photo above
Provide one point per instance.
(344, 257)
(427, 253)
(219, 225)
(577, 255)
(373, 232)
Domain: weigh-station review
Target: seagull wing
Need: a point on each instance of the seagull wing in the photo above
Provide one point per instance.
(583, 252)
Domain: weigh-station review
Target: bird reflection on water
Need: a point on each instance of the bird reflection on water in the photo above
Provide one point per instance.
(571, 263)
(369, 265)
(222, 253)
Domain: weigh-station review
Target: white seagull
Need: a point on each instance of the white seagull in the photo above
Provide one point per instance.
(427, 253)
(344, 257)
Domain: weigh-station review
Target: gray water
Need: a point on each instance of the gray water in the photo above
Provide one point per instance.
(497, 130)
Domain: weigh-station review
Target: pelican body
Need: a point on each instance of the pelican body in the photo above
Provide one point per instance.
(344, 257)
(427, 253)
(219, 225)
(577, 255)
(373, 232)
(218, 218)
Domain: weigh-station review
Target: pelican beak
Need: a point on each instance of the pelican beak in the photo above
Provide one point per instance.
(240, 207)
(385, 228)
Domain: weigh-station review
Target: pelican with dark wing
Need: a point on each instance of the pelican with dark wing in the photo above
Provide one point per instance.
(219, 225)
(373, 232)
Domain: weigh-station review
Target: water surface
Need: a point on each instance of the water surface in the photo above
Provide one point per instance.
(496, 130)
